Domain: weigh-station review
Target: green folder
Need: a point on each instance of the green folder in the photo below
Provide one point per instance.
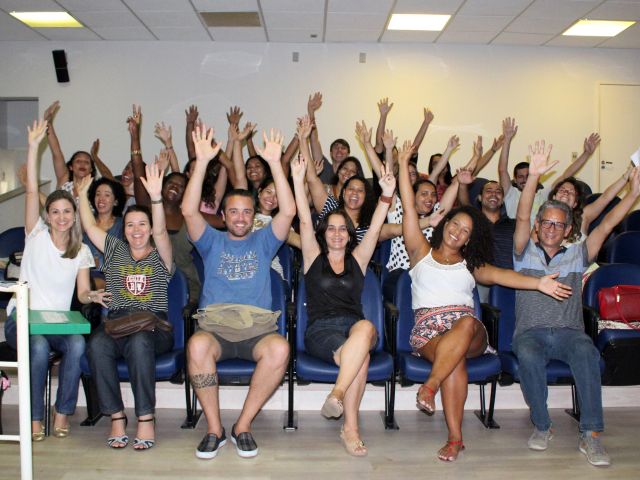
(49, 322)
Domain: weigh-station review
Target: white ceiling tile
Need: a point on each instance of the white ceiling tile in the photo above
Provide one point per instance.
(436, 7)
(360, 6)
(482, 38)
(345, 21)
(630, 38)
(307, 6)
(70, 34)
(617, 10)
(181, 34)
(509, 38)
(493, 7)
(405, 36)
(477, 24)
(539, 25)
(226, 5)
(30, 6)
(160, 5)
(244, 34)
(562, 41)
(293, 20)
(170, 19)
(12, 29)
(93, 5)
(124, 33)
(567, 9)
(107, 19)
(293, 36)
(352, 36)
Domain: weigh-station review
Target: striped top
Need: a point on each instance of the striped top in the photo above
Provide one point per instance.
(332, 204)
(134, 285)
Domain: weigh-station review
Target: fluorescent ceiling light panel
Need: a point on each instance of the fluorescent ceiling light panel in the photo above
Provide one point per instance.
(597, 28)
(414, 21)
(47, 19)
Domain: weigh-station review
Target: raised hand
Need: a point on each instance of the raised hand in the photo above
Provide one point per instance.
(298, 169)
(314, 103)
(428, 115)
(387, 181)
(509, 128)
(191, 114)
(247, 131)
(540, 162)
(272, 150)
(162, 160)
(384, 106)
(549, 286)
(95, 147)
(497, 143)
(134, 120)
(36, 132)
(163, 132)
(364, 134)
(202, 138)
(436, 217)
(389, 140)
(83, 185)
(234, 115)
(477, 147)
(465, 176)
(453, 143)
(51, 111)
(405, 153)
(153, 181)
(634, 181)
(304, 125)
(591, 143)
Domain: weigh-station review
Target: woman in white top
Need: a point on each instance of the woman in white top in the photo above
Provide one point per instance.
(443, 274)
(54, 262)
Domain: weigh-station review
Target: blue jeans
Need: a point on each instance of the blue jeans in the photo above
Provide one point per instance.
(534, 348)
(71, 347)
(139, 350)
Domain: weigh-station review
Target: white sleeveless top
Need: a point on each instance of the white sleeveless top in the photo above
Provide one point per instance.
(436, 285)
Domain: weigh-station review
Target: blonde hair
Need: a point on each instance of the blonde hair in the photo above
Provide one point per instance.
(75, 233)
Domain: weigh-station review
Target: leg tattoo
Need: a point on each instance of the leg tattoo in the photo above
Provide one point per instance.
(203, 380)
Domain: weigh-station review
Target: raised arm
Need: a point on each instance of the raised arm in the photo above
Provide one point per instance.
(417, 246)
(137, 165)
(428, 118)
(100, 165)
(272, 152)
(509, 129)
(364, 135)
(205, 152)
(590, 145)
(288, 155)
(310, 248)
(153, 184)
(486, 158)
(59, 165)
(538, 166)
(89, 225)
(384, 108)
(599, 234)
(313, 104)
(192, 117)
(316, 188)
(35, 134)
(389, 144)
(591, 211)
(238, 175)
(438, 168)
(163, 132)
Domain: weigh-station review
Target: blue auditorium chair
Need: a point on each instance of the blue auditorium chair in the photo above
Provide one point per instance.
(624, 248)
(631, 222)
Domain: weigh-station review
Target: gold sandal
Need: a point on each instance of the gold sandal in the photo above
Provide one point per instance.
(355, 447)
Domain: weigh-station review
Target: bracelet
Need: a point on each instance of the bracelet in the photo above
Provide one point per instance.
(385, 199)
(156, 202)
(169, 147)
(136, 152)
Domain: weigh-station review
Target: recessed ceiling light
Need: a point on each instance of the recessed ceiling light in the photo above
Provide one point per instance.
(414, 21)
(47, 19)
(597, 28)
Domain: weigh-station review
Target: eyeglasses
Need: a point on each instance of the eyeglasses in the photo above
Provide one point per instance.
(566, 191)
(547, 224)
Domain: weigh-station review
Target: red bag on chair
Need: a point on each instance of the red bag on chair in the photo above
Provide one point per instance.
(620, 303)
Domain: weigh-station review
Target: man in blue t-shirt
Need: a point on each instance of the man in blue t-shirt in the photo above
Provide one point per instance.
(549, 329)
(236, 270)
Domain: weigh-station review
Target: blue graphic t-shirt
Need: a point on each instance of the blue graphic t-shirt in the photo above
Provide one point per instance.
(237, 271)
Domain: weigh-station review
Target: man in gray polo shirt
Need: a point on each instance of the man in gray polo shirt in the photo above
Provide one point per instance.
(548, 329)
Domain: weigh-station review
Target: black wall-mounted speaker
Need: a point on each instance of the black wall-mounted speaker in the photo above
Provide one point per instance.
(60, 64)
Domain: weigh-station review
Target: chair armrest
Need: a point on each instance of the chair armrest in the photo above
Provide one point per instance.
(491, 321)
(189, 322)
(591, 318)
(391, 314)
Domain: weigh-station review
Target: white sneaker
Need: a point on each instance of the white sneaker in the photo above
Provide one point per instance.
(592, 447)
(539, 440)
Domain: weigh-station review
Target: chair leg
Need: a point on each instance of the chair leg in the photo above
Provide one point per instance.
(574, 411)
(486, 417)
(1, 395)
(47, 403)
(389, 416)
(291, 416)
(91, 395)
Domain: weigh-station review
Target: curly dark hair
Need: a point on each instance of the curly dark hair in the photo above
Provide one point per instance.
(208, 195)
(448, 178)
(355, 161)
(479, 248)
(369, 205)
(577, 211)
(323, 224)
(118, 194)
(94, 171)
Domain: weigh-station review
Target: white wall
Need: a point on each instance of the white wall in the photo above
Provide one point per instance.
(553, 93)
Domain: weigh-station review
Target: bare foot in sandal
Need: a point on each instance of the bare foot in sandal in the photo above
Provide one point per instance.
(352, 442)
(332, 407)
(426, 399)
(450, 451)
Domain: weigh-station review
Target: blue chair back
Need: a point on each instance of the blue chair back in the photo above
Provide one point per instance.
(504, 299)
(624, 248)
(474, 190)
(178, 293)
(371, 304)
(631, 222)
(592, 198)
(11, 240)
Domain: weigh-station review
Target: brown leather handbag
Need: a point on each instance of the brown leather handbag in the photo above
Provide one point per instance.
(122, 323)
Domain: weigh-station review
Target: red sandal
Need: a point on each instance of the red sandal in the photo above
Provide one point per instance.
(451, 450)
(426, 403)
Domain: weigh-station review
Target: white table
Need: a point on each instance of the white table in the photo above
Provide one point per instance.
(24, 383)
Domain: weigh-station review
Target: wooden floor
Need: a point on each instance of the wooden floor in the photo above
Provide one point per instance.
(314, 450)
